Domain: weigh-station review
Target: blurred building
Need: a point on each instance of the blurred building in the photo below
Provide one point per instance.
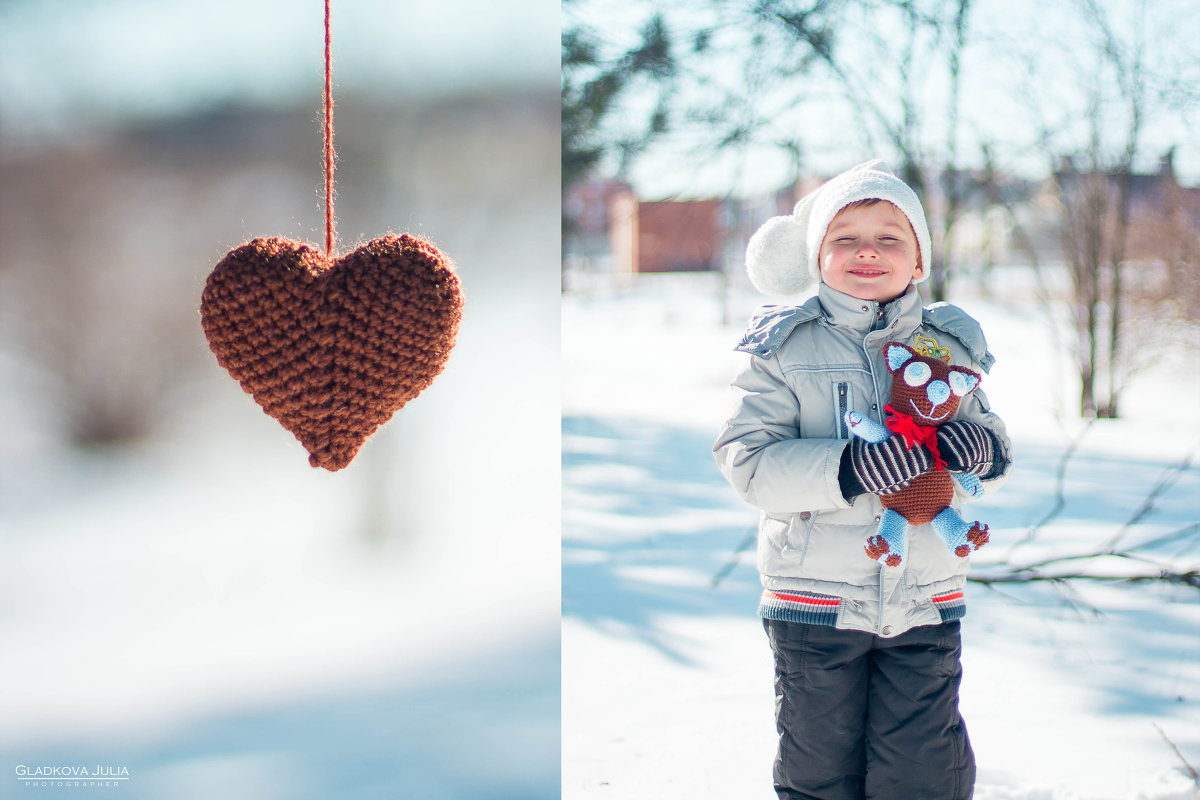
(1000, 220)
(586, 210)
(666, 236)
(1161, 223)
(608, 228)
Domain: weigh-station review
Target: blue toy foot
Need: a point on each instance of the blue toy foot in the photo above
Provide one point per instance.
(887, 546)
(962, 539)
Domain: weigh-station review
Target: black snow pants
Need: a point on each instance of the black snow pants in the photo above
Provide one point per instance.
(862, 717)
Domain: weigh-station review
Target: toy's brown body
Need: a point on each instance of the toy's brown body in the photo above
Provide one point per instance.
(921, 500)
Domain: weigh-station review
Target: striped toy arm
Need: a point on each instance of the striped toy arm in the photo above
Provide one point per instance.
(875, 461)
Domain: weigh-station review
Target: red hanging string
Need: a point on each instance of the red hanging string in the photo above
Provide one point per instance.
(329, 154)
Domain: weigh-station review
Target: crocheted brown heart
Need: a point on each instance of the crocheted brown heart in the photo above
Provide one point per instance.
(332, 349)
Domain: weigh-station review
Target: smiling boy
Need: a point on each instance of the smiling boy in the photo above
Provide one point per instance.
(866, 655)
(870, 251)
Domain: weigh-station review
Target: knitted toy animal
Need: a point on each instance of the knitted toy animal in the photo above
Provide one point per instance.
(925, 394)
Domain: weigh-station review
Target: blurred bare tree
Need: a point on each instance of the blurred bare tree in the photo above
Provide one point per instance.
(698, 73)
(777, 76)
(91, 292)
(738, 74)
(1125, 78)
(913, 43)
(594, 81)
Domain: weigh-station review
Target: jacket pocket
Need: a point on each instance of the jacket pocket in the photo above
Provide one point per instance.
(843, 401)
(798, 534)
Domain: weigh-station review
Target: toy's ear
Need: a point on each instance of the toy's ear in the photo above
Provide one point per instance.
(963, 381)
(897, 355)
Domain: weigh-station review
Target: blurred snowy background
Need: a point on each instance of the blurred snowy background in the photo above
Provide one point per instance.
(181, 595)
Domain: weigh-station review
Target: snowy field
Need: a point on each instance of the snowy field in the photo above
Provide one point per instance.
(1070, 692)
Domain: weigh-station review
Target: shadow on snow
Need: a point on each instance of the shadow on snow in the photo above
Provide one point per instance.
(488, 729)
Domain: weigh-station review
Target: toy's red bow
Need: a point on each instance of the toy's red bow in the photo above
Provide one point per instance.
(914, 433)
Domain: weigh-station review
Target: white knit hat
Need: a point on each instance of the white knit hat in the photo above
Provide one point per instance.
(781, 256)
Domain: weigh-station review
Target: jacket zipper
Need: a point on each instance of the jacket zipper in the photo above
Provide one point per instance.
(878, 407)
(843, 405)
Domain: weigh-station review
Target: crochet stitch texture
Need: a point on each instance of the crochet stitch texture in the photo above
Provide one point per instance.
(332, 348)
(925, 393)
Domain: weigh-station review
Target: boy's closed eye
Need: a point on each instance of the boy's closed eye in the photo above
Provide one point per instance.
(852, 239)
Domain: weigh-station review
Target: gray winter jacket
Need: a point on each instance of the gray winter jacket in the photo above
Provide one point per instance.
(782, 446)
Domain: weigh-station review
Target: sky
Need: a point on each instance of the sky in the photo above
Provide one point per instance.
(62, 60)
(1026, 62)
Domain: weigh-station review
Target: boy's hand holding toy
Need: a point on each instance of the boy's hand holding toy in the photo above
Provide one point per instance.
(887, 467)
(966, 447)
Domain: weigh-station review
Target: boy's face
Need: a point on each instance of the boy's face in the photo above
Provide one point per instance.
(870, 252)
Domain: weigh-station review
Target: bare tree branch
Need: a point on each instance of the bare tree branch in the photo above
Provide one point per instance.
(1148, 503)
(1188, 577)
(1060, 498)
(730, 563)
(1191, 771)
(1157, 570)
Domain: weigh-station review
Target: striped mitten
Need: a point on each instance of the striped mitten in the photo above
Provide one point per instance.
(888, 466)
(966, 447)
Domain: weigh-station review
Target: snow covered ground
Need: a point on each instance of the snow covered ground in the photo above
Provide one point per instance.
(1070, 692)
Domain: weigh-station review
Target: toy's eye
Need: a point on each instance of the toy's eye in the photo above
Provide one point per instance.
(962, 384)
(917, 373)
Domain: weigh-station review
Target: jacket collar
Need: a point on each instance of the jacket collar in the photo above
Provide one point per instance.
(862, 316)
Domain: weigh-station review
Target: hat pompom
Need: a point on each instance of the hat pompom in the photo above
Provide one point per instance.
(776, 257)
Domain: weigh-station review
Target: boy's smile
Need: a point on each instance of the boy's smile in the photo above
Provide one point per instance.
(869, 252)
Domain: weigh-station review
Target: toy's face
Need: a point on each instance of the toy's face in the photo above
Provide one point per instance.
(927, 388)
